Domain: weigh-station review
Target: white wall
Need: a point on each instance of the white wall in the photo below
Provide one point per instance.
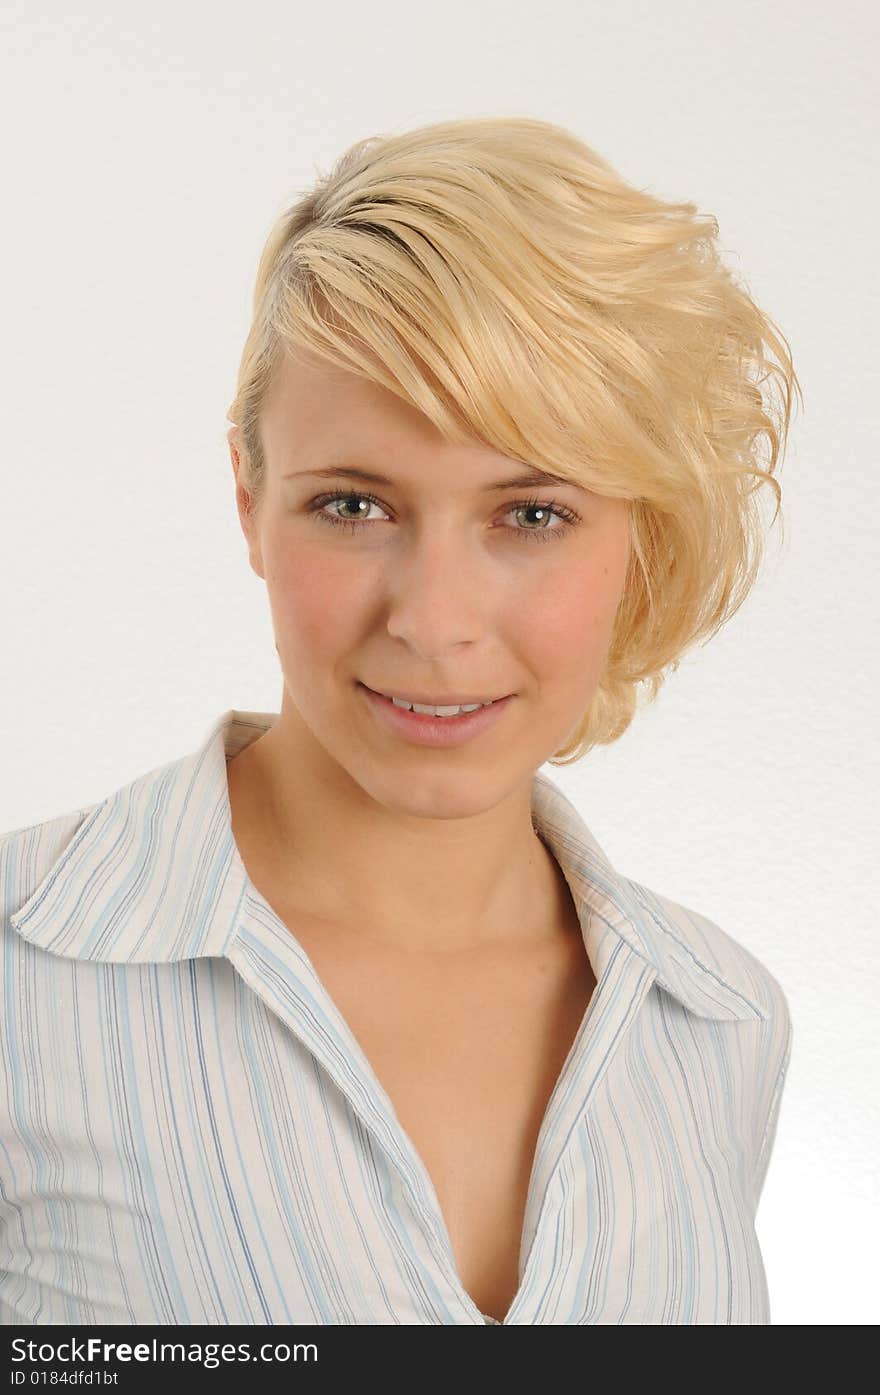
(146, 152)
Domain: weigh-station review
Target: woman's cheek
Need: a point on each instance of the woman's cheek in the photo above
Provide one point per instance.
(566, 621)
(315, 597)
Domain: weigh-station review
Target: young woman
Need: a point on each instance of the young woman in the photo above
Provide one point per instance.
(345, 1017)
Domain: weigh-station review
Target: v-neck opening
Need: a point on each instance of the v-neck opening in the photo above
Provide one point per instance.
(624, 979)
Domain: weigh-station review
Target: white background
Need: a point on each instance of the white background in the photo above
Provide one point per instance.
(147, 150)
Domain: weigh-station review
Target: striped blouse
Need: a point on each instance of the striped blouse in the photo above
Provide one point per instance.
(191, 1133)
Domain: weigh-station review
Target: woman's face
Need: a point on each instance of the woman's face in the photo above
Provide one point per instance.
(450, 585)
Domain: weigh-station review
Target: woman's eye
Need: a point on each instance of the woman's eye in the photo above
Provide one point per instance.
(537, 513)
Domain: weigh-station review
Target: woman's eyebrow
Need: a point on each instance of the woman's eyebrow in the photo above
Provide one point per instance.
(521, 481)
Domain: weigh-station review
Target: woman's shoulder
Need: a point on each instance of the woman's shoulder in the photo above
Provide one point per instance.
(29, 856)
(146, 874)
(28, 853)
(723, 951)
(72, 843)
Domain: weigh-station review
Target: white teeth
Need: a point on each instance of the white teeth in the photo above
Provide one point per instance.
(437, 711)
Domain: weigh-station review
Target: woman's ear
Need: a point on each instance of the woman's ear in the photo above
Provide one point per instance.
(244, 504)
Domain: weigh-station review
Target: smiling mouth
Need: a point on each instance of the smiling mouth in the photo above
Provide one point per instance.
(441, 725)
(436, 702)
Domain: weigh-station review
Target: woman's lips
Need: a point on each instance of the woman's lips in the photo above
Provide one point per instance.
(423, 729)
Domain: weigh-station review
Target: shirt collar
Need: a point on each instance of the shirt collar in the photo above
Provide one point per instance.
(153, 874)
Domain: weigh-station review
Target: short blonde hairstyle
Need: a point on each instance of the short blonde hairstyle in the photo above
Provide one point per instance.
(498, 275)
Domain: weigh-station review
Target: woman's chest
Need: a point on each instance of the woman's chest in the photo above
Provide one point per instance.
(469, 1058)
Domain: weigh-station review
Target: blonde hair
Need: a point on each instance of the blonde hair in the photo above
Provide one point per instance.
(498, 275)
